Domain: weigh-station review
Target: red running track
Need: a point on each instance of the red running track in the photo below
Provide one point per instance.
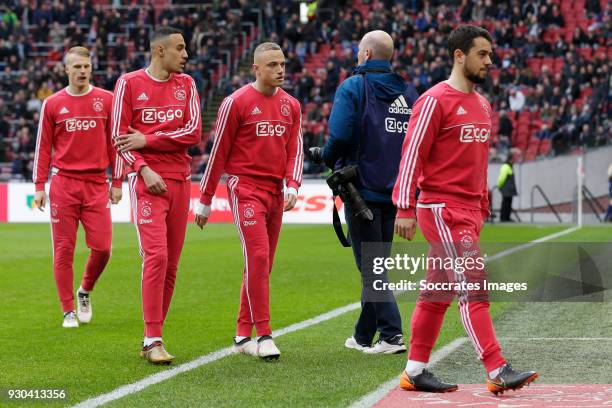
(533, 396)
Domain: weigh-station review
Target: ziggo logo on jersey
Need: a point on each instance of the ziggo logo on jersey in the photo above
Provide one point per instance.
(268, 129)
(72, 125)
(471, 133)
(151, 115)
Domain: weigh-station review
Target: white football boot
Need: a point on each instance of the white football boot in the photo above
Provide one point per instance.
(246, 346)
(266, 349)
(84, 310)
(70, 320)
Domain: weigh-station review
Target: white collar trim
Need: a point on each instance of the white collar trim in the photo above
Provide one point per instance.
(77, 95)
(155, 79)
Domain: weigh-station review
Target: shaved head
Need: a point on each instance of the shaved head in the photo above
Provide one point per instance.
(262, 48)
(379, 43)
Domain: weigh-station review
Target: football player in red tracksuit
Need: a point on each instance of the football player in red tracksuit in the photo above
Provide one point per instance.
(445, 154)
(156, 117)
(74, 144)
(258, 144)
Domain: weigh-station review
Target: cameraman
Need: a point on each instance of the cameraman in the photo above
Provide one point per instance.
(367, 126)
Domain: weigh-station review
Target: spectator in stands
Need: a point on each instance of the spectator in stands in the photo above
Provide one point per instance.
(585, 136)
(544, 132)
(516, 100)
(601, 136)
(505, 133)
(305, 84)
(419, 35)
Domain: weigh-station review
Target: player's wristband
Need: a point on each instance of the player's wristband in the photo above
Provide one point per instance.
(202, 209)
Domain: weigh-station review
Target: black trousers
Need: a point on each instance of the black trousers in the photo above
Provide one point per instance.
(380, 314)
(506, 209)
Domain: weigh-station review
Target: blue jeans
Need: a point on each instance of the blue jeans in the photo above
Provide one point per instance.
(375, 316)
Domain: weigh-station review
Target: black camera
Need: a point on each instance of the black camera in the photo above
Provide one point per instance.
(341, 183)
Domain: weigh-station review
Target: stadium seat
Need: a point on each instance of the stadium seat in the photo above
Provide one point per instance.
(544, 147)
(530, 155)
(586, 52)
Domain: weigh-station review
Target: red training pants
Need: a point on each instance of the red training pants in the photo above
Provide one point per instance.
(72, 200)
(258, 215)
(161, 222)
(453, 233)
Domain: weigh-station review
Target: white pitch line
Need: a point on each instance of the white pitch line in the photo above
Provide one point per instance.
(530, 244)
(146, 382)
(206, 359)
(378, 394)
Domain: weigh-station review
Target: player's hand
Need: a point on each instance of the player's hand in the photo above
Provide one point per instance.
(132, 141)
(202, 212)
(115, 195)
(290, 199)
(405, 227)
(41, 200)
(201, 221)
(155, 184)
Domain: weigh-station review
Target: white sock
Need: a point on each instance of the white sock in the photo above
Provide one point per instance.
(414, 367)
(81, 290)
(150, 340)
(240, 338)
(494, 373)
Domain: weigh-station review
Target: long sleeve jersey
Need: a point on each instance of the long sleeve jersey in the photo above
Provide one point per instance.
(166, 112)
(259, 139)
(445, 152)
(74, 138)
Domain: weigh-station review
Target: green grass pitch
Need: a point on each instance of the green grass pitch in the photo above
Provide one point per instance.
(312, 275)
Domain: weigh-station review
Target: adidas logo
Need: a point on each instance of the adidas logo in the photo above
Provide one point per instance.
(461, 111)
(400, 106)
(256, 111)
(143, 97)
(64, 110)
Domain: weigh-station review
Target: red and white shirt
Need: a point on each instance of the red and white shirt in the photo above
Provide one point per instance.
(445, 152)
(74, 138)
(259, 139)
(166, 112)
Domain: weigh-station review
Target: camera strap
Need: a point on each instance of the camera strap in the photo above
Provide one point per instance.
(338, 226)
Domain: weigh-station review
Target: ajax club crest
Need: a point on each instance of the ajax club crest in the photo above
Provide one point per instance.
(98, 106)
(466, 239)
(180, 94)
(285, 109)
(249, 212)
(145, 210)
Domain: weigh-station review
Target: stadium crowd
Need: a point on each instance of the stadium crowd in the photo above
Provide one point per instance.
(551, 84)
